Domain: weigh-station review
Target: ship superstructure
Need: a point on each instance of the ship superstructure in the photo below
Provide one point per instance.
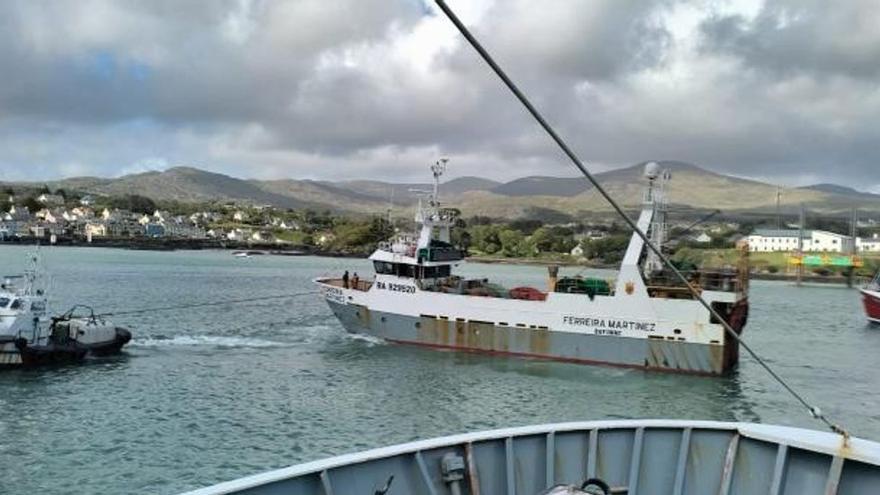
(23, 309)
(643, 319)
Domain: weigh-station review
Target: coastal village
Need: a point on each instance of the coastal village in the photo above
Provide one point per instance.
(83, 219)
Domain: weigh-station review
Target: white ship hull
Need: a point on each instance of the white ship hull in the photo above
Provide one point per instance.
(657, 334)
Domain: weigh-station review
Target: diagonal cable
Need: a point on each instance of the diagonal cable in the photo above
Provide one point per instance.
(814, 411)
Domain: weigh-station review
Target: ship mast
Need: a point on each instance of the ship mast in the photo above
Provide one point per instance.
(432, 216)
(655, 199)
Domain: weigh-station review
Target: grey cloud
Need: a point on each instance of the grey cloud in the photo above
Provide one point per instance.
(175, 61)
(314, 88)
(549, 49)
(791, 36)
(578, 40)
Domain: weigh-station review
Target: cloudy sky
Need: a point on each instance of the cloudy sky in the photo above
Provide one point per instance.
(780, 90)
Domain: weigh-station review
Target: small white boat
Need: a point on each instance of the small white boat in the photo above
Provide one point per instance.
(241, 254)
(23, 308)
(30, 337)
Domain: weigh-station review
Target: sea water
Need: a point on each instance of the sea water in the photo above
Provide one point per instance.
(208, 394)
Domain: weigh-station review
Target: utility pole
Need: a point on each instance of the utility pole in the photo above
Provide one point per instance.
(778, 208)
(800, 266)
(850, 273)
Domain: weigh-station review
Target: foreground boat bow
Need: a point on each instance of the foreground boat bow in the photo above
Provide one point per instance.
(632, 457)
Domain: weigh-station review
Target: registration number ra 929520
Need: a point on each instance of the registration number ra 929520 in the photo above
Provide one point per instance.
(409, 289)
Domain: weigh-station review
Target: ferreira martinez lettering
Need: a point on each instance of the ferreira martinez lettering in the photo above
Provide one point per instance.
(608, 326)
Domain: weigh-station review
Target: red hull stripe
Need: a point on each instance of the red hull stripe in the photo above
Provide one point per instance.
(872, 305)
(552, 358)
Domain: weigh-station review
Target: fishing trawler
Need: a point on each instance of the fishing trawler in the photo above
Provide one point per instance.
(644, 319)
(871, 299)
(29, 336)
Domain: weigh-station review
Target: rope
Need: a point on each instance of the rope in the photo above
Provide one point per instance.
(814, 411)
(205, 304)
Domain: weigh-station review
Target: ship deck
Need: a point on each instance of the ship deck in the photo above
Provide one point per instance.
(630, 456)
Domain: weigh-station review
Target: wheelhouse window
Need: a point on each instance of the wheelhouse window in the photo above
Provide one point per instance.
(436, 271)
(411, 271)
(397, 269)
(408, 271)
(4, 301)
(384, 268)
(15, 304)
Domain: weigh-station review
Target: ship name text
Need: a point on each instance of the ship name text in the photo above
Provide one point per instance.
(333, 294)
(608, 326)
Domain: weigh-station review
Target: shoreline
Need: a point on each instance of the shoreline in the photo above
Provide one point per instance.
(271, 249)
(160, 244)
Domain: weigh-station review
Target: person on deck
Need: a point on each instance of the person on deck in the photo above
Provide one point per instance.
(345, 280)
(354, 281)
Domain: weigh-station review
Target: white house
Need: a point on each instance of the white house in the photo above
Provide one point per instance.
(95, 230)
(46, 215)
(703, 238)
(577, 251)
(767, 240)
(50, 199)
(237, 235)
(82, 212)
(868, 244)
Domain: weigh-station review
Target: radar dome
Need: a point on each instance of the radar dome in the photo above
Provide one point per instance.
(652, 170)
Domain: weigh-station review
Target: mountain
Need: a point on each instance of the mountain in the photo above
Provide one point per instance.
(409, 193)
(691, 187)
(841, 190)
(185, 184)
(543, 186)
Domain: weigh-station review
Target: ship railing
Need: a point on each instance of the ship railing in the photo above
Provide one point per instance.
(721, 281)
(33, 335)
(361, 285)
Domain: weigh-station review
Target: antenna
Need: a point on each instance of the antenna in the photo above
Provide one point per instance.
(438, 168)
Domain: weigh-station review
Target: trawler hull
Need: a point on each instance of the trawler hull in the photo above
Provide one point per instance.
(871, 300)
(474, 336)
